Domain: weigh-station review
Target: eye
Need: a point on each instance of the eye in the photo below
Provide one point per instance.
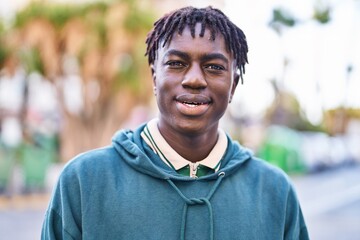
(214, 67)
(175, 64)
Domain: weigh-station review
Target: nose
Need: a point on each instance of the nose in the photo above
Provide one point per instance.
(194, 78)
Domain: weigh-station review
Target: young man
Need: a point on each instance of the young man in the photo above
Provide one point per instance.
(179, 176)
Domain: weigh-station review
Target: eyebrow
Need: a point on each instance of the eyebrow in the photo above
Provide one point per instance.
(177, 53)
(205, 57)
(214, 56)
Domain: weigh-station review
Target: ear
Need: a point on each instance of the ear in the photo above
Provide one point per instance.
(234, 85)
(153, 74)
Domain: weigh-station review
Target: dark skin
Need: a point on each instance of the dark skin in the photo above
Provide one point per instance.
(195, 79)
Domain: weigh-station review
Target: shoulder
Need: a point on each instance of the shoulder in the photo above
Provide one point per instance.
(265, 168)
(248, 164)
(267, 174)
(93, 160)
(93, 156)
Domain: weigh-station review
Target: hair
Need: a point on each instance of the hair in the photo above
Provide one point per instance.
(210, 18)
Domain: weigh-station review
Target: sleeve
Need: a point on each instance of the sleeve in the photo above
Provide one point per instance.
(63, 217)
(52, 227)
(295, 227)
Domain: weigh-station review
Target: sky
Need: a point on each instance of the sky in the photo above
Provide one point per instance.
(318, 55)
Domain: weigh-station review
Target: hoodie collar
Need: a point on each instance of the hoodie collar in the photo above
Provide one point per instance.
(159, 145)
(132, 149)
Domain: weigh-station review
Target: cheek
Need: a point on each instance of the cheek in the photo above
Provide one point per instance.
(223, 93)
(163, 91)
(223, 88)
(163, 86)
(164, 81)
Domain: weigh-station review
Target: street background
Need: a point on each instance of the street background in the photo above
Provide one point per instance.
(71, 74)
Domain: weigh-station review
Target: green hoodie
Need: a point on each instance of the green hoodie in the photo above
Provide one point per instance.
(125, 191)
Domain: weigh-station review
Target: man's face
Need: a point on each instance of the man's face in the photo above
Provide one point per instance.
(194, 80)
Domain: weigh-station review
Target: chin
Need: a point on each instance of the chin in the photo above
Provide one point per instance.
(193, 127)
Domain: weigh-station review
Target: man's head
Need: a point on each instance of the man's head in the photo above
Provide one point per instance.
(197, 57)
(210, 18)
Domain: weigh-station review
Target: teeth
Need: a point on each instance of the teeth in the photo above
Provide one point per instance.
(191, 104)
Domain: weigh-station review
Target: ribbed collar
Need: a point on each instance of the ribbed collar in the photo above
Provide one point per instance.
(158, 144)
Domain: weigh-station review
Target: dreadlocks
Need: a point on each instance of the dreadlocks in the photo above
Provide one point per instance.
(210, 18)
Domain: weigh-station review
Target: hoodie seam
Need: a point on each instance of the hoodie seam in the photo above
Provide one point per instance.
(60, 216)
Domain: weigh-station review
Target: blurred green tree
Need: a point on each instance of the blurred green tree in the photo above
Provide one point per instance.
(285, 109)
(102, 43)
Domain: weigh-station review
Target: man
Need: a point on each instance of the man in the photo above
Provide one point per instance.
(179, 176)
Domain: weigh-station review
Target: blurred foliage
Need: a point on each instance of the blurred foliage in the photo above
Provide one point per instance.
(105, 39)
(32, 61)
(2, 27)
(281, 18)
(349, 112)
(4, 53)
(286, 110)
(93, 15)
(57, 14)
(336, 120)
(2, 56)
(138, 19)
(60, 14)
(322, 13)
(3, 50)
(101, 31)
(128, 73)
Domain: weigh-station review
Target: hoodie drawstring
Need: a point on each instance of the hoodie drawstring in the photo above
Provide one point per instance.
(198, 201)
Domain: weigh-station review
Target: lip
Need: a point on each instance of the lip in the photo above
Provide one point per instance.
(192, 104)
(196, 99)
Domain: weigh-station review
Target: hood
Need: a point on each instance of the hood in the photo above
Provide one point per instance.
(129, 145)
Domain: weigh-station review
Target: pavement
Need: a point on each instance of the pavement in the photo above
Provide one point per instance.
(21, 224)
(330, 202)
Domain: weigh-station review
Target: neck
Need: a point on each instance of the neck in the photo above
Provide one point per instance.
(192, 147)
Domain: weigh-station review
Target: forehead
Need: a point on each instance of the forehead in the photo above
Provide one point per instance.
(186, 42)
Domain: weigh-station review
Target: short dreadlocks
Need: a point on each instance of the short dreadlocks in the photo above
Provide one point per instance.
(210, 18)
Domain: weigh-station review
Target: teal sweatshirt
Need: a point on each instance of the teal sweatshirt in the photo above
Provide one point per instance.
(125, 191)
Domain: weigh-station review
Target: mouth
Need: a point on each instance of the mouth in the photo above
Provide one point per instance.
(193, 99)
(193, 104)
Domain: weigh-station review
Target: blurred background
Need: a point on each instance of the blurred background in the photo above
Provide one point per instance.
(71, 74)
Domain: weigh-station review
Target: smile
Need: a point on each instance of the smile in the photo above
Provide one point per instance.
(193, 104)
(193, 99)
